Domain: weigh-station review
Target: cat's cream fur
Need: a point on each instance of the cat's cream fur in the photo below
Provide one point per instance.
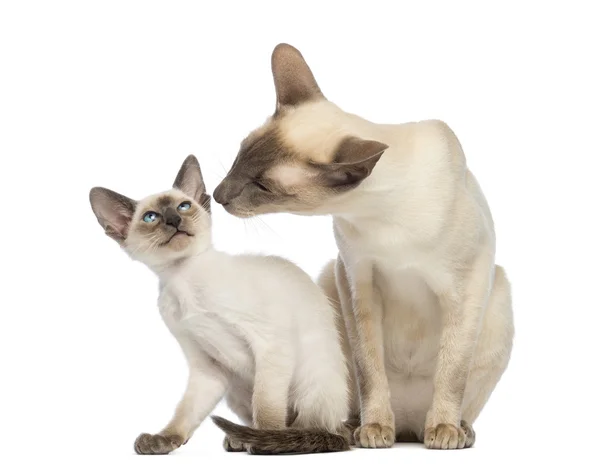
(427, 311)
(255, 329)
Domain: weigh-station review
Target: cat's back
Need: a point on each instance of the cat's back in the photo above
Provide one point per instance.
(283, 284)
(274, 269)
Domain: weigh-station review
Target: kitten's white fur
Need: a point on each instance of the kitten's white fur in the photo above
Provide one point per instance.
(253, 323)
(254, 329)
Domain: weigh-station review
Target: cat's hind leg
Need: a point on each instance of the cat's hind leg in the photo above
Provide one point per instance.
(493, 349)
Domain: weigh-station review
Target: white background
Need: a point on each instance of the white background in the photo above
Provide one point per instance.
(119, 93)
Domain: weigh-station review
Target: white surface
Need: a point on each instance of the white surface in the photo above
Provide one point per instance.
(119, 93)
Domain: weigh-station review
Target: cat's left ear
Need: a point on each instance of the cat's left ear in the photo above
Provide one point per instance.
(113, 211)
(353, 161)
(189, 180)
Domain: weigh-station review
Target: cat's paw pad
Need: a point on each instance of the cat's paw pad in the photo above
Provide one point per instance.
(374, 436)
(447, 436)
(156, 444)
(231, 445)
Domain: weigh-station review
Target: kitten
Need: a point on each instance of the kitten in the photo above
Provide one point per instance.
(427, 311)
(255, 329)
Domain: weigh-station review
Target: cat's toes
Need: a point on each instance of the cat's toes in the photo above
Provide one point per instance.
(156, 444)
(374, 436)
(231, 445)
(447, 436)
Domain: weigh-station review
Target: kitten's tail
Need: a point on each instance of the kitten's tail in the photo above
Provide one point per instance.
(283, 441)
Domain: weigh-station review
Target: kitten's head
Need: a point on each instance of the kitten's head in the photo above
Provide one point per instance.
(161, 228)
(302, 159)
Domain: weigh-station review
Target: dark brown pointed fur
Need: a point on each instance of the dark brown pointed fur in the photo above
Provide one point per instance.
(283, 441)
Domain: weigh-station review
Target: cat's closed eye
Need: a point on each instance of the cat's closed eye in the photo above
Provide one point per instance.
(150, 217)
(184, 206)
(262, 187)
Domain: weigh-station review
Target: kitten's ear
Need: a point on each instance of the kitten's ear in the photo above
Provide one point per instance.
(189, 179)
(113, 211)
(353, 161)
(294, 82)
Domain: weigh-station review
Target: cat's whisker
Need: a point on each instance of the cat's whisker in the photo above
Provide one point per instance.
(261, 221)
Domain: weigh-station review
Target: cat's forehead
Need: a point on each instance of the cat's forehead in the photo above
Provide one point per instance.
(162, 200)
(309, 132)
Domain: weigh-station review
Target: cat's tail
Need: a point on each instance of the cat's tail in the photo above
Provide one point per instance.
(283, 441)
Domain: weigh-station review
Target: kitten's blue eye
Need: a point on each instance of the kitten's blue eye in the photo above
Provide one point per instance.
(150, 217)
(184, 206)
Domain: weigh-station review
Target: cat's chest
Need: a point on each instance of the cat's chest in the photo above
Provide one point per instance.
(189, 312)
(382, 243)
(412, 321)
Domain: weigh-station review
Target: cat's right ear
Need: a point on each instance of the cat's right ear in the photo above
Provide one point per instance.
(113, 211)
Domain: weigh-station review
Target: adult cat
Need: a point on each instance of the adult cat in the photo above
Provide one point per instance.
(427, 311)
(255, 329)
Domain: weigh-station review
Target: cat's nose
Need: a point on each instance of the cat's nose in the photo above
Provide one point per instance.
(172, 217)
(228, 190)
(220, 193)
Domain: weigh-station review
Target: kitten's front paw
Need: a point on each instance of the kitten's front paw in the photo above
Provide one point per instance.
(231, 445)
(447, 436)
(156, 444)
(374, 436)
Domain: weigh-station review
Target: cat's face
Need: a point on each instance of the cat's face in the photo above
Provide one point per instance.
(161, 228)
(300, 160)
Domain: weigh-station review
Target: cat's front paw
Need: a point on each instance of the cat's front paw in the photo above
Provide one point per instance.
(447, 436)
(374, 436)
(157, 444)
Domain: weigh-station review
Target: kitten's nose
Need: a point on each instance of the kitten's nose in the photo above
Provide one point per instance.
(172, 217)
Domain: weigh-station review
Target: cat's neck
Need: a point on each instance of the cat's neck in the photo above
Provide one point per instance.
(172, 268)
(378, 199)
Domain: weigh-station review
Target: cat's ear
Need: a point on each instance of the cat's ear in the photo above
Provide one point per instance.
(189, 180)
(113, 211)
(294, 81)
(353, 161)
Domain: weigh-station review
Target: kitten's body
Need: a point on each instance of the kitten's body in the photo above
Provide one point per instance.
(427, 312)
(240, 313)
(254, 329)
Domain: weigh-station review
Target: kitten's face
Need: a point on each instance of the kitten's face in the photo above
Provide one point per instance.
(167, 226)
(162, 228)
(300, 160)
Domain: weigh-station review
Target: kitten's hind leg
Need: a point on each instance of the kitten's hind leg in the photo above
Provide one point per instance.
(351, 425)
(231, 445)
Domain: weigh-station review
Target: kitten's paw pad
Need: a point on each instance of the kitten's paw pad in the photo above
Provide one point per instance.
(374, 436)
(156, 444)
(231, 445)
(447, 436)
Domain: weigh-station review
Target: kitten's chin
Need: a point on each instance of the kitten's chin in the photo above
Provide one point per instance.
(179, 241)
